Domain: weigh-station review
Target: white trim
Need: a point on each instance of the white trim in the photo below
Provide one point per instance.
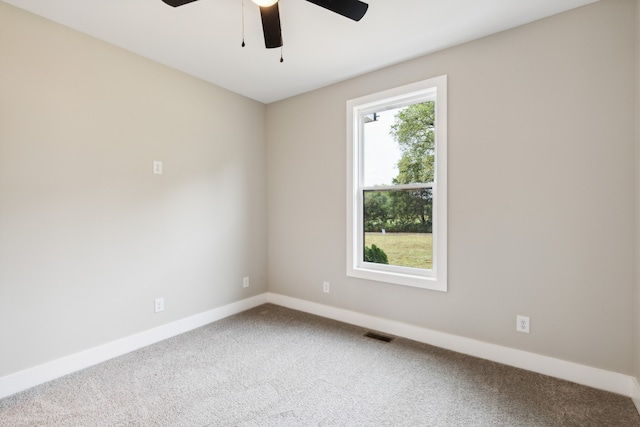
(415, 185)
(32, 377)
(586, 375)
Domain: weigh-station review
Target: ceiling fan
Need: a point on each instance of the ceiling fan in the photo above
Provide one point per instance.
(352, 9)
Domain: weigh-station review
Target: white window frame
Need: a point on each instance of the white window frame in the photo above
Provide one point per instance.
(434, 89)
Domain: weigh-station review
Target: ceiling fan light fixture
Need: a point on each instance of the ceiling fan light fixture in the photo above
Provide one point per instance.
(270, 16)
(265, 3)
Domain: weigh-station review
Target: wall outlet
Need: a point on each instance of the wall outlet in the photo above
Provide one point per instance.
(522, 324)
(245, 282)
(159, 305)
(326, 288)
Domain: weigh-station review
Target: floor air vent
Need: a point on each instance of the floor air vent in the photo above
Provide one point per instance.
(378, 337)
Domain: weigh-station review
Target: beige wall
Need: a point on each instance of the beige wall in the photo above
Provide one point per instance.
(88, 235)
(541, 190)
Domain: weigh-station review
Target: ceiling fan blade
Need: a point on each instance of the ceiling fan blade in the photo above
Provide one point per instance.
(271, 26)
(352, 9)
(176, 3)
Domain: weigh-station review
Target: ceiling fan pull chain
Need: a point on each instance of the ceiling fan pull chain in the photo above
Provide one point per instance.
(243, 45)
(281, 48)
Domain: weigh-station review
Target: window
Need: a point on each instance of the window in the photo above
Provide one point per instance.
(397, 185)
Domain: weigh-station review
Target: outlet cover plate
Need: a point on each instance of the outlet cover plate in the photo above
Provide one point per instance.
(159, 305)
(326, 287)
(522, 324)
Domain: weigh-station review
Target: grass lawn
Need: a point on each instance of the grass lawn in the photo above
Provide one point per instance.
(405, 249)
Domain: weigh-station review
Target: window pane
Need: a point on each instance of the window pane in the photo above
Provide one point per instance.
(398, 145)
(381, 152)
(398, 227)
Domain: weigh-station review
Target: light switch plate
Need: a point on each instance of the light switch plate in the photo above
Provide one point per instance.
(157, 167)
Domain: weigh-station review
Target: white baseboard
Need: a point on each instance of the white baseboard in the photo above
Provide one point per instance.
(581, 374)
(31, 377)
(593, 377)
(635, 394)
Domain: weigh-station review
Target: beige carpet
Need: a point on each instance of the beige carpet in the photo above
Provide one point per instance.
(272, 366)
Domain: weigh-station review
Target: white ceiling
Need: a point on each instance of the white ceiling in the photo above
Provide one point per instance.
(320, 48)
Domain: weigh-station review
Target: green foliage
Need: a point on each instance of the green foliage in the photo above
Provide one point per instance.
(414, 131)
(412, 207)
(375, 254)
(403, 211)
(377, 210)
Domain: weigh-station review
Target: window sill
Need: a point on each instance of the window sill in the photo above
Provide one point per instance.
(405, 279)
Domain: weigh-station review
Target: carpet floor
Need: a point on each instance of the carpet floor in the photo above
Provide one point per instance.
(272, 366)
